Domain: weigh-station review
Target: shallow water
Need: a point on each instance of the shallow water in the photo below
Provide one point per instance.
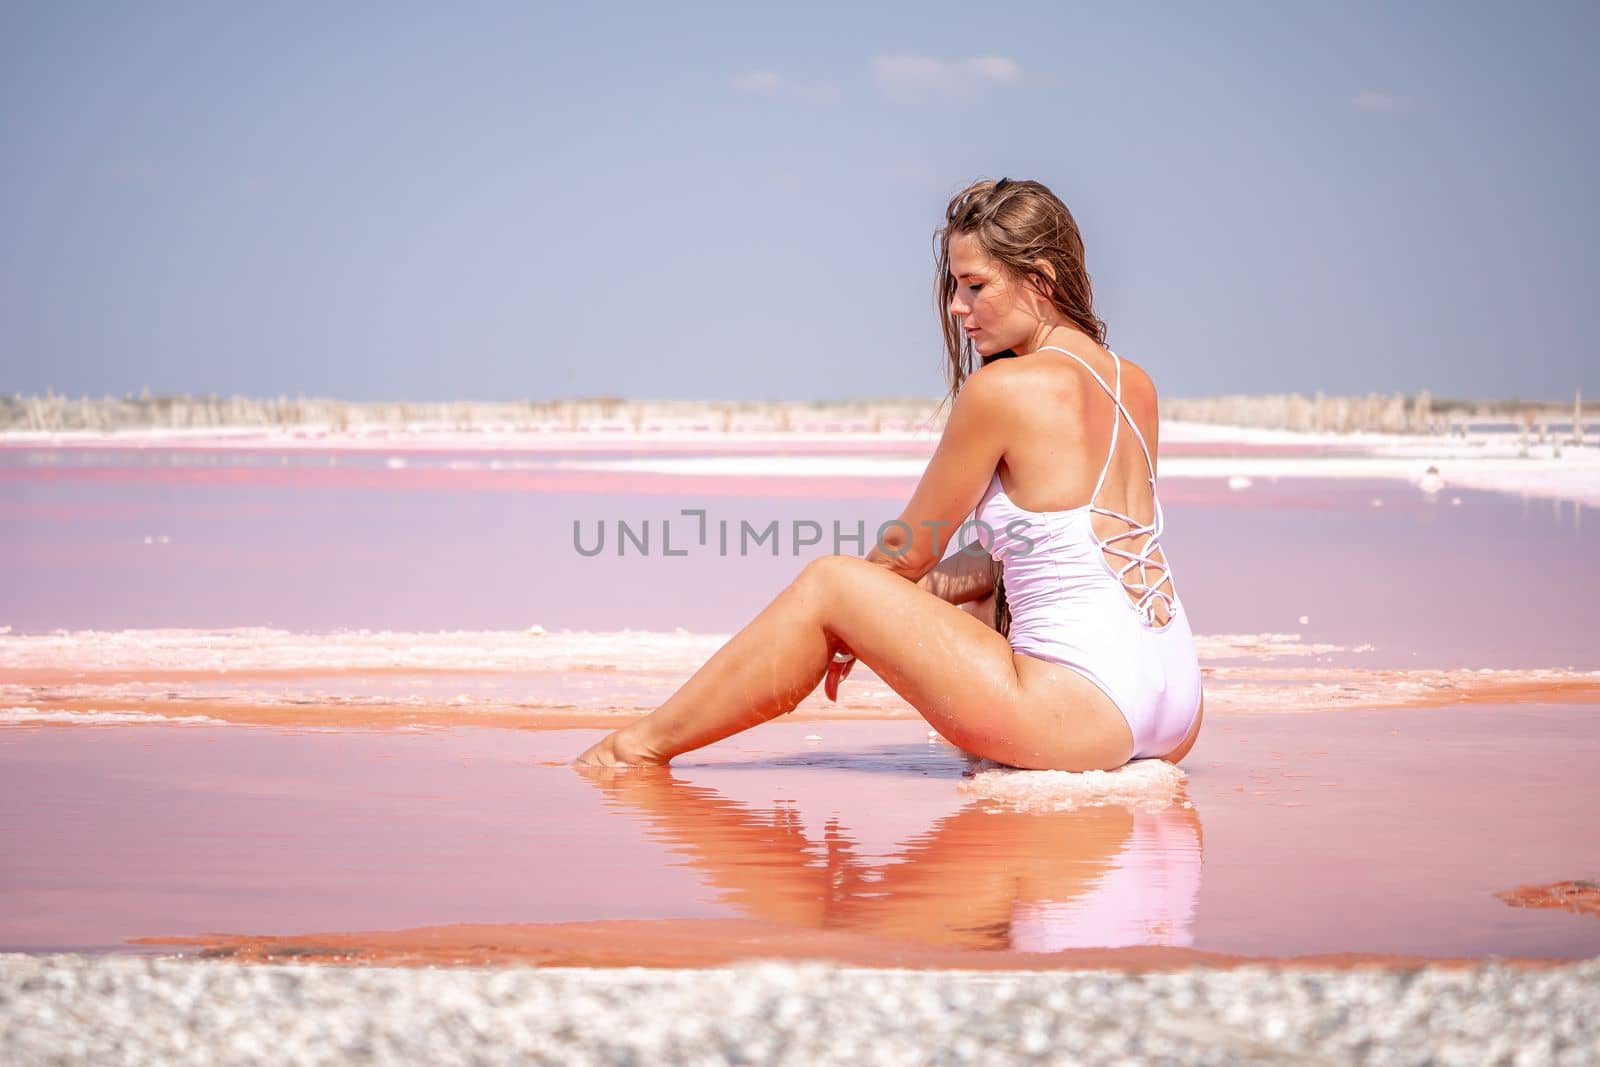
(1339, 828)
(1382, 832)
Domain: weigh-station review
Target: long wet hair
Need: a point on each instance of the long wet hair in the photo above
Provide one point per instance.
(1017, 224)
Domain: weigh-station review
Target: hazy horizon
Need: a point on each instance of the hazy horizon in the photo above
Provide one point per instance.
(1591, 405)
(396, 203)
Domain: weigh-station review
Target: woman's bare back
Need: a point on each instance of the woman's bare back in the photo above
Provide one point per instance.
(1064, 424)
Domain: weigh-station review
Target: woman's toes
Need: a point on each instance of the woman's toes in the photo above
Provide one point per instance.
(593, 756)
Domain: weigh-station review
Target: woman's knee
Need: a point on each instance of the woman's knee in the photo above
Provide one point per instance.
(825, 572)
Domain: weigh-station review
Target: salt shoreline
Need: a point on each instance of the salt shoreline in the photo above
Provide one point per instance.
(542, 439)
(265, 648)
(534, 679)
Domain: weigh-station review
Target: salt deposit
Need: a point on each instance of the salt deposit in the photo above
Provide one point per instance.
(83, 1010)
(1145, 785)
(93, 717)
(257, 648)
(259, 674)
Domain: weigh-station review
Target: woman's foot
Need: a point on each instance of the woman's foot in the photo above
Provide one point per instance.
(614, 750)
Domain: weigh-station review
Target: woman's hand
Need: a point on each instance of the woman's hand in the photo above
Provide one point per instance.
(963, 577)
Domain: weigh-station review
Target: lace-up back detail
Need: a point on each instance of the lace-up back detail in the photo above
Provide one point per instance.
(1135, 563)
(1093, 604)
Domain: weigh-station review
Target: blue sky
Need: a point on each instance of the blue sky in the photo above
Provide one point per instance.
(393, 201)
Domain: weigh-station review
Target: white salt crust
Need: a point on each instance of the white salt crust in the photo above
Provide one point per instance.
(1144, 785)
(95, 717)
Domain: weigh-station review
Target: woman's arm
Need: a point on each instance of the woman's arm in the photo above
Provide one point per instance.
(962, 576)
(971, 447)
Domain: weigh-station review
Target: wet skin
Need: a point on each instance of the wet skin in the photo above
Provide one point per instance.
(1039, 419)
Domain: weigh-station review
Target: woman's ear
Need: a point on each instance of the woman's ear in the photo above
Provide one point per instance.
(1046, 268)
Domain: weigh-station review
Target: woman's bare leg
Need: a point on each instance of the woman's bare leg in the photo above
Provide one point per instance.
(959, 673)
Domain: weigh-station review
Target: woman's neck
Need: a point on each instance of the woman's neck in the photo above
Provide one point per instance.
(1051, 334)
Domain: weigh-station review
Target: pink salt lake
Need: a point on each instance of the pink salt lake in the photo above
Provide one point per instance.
(1364, 788)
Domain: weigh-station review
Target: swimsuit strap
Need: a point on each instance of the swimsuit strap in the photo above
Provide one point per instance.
(1122, 410)
(1149, 594)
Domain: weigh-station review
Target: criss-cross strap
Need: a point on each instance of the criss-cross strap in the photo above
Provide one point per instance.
(1141, 560)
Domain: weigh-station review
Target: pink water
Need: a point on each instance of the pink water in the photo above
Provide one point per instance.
(1384, 832)
(285, 540)
(1335, 830)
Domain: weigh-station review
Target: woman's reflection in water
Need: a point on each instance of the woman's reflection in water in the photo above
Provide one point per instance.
(983, 877)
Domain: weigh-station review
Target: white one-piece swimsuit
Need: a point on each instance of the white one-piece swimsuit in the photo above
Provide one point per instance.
(1072, 607)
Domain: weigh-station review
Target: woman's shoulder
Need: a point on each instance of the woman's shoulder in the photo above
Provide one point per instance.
(1016, 393)
(1001, 381)
(1031, 384)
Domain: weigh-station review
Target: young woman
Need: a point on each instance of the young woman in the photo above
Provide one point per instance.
(1050, 447)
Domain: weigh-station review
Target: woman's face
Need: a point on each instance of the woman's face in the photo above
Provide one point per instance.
(996, 312)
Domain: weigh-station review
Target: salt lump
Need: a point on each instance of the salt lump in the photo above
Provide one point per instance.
(1144, 785)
